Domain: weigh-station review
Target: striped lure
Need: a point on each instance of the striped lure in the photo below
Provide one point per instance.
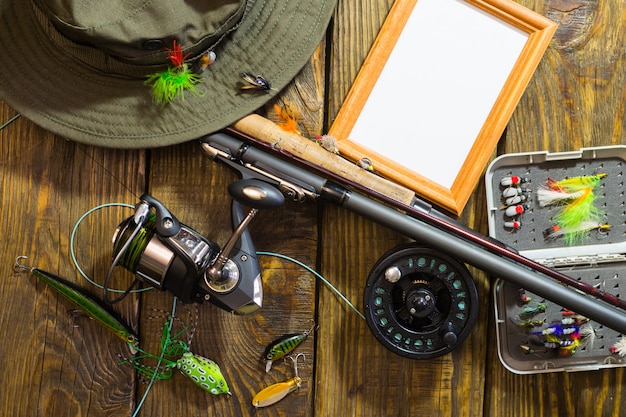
(283, 346)
(85, 301)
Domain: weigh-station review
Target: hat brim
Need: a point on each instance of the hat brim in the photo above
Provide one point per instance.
(69, 98)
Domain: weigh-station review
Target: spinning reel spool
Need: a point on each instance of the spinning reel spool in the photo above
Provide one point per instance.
(420, 303)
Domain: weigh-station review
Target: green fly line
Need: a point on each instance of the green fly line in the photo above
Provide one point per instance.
(319, 276)
(161, 359)
(11, 120)
(73, 253)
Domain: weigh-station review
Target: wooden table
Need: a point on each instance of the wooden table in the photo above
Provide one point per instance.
(55, 364)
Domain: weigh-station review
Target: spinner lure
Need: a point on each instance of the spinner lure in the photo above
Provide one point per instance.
(276, 392)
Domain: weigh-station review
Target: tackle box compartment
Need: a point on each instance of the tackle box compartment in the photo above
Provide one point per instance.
(598, 259)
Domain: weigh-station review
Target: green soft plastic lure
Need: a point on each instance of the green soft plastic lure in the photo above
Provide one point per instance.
(86, 302)
(203, 372)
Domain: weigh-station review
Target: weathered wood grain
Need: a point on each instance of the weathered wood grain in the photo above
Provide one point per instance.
(55, 364)
(575, 100)
(369, 380)
(194, 188)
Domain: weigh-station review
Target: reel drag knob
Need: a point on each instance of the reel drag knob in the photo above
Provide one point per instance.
(419, 303)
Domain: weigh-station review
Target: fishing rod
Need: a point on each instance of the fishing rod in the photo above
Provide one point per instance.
(272, 161)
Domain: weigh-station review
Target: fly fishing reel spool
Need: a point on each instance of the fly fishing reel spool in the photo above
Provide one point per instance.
(420, 303)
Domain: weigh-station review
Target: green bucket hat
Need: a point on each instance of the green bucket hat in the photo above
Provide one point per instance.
(79, 69)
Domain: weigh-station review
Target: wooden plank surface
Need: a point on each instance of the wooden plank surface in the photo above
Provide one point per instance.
(368, 379)
(58, 365)
(575, 100)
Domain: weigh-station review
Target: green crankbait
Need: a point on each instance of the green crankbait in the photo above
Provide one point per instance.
(282, 346)
(203, 372)
(91, 305)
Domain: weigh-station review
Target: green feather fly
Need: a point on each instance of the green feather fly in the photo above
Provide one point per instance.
(172, 83)
(582, 209)
(573, 184)
(169, 84)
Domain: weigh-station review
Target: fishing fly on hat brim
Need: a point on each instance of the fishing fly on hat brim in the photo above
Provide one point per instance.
(69, 98)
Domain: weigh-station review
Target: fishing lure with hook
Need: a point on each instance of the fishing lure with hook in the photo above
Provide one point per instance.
(551, 196)
(513, 180)
(85, 301)
(276, 392)
(255, 83)
(576, 183)
(531, 311)
(559, 330)
(576, 234)
(175, 354)
(283, 346)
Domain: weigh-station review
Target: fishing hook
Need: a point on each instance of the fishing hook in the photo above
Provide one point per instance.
(294, 359)
(19, 266)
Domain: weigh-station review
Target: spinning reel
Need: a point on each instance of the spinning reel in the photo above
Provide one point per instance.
(169, 255)
(420, 303)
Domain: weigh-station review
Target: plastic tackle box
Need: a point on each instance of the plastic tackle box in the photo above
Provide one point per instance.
(598, 259)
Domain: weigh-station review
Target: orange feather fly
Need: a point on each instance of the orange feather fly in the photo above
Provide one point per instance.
(287, 118)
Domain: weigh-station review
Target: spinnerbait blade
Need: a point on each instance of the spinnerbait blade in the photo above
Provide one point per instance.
(276, 392)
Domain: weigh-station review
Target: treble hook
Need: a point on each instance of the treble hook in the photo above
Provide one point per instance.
(19, 266)
(294, 359)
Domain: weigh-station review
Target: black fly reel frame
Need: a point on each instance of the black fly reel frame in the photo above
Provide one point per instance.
(420, 303)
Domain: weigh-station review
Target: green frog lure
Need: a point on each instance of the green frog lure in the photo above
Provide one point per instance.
(86, 302)
(175, 354)
(203, 372)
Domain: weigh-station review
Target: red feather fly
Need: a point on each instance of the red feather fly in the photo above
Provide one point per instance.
(176, 55)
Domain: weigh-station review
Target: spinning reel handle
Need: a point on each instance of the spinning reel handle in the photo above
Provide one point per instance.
(237, 264)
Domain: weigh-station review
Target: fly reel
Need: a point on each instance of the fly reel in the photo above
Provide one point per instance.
(420, 303)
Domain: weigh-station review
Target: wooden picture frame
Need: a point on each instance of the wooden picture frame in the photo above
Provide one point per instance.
(436, 91)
